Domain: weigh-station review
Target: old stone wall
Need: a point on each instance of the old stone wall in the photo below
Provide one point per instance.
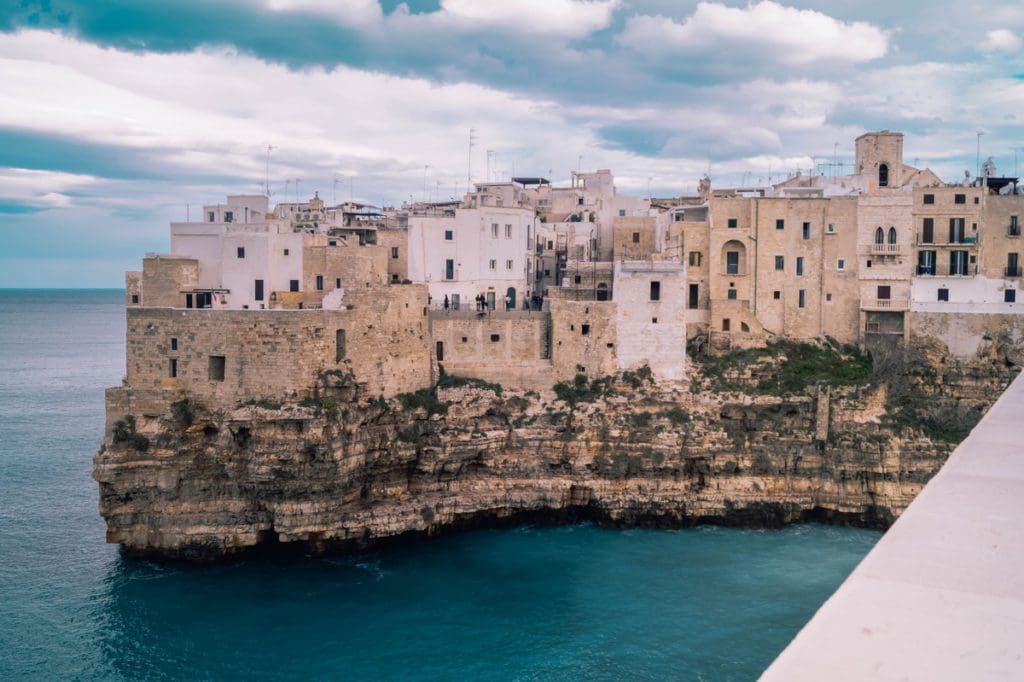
(635, 237)
(583, 334)
(165, 277)
(396, 247)
(967, 334)
(651, 330)
(385, 344)
(355, 268)
(500, 338)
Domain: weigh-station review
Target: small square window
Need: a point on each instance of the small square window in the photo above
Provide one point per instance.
(636, 237)
(495, 338)
(585, 329)
(828, 297)
(959, 198)
(731, 294)
(333, 242)
(1010, 296)
(293, 285)
(394, 252)
(943, 294)
(174, 343)
(576, 279)
(780, 263)
(286, 252)
(622, 213)
(229, 216)
(733, 222)
(777, 295)
(135, 298)
(780, 224)
(831, 229)
(928, 199)
(840, 265)
(654, 320)
(464, 339)
(241, 252)
(448, 235)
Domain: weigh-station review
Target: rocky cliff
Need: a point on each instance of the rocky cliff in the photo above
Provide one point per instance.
(756, 441)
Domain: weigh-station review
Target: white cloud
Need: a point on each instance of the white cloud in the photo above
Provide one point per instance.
(570, 18)
(41, 189)
(773, 32)
(1001, 40)
(347, 12)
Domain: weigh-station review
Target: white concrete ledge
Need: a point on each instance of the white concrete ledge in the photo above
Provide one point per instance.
(941, 596)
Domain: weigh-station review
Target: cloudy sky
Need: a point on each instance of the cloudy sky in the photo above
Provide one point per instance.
(115, 116)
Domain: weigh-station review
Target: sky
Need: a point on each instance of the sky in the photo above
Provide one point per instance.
(119, 116)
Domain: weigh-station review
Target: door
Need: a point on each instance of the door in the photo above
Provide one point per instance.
(259, 290)
(490, 300)
(511, 296)
(956, 230)
(929, 231)
(1011, 265)
(449, 269)
(958, 262)
(694, 296)
(455, 301)
(440, 351)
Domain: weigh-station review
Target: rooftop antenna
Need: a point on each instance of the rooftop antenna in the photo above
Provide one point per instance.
(267, 176)
(469, 164)
(334, 192)
(425, 167)
(835, 157)
(490, 153)
(977, 170)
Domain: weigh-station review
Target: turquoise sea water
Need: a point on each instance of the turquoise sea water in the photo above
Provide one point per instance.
(572, 603)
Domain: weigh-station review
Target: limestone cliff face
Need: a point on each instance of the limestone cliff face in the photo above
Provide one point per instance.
(205, 485)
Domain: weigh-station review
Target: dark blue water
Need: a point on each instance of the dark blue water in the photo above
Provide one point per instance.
(529, 604)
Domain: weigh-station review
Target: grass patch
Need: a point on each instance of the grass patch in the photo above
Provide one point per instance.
(455, 381)
(265, 403)
(425, 398)
(327, 406)
(583, 390)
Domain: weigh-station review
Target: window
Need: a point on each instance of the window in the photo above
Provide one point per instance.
(695, 257)
(394, 252)
(879, 235)
(547, 273)
(943, 294)
(777, 295)
(654, 320)
(241, 252)
(801, 298)
(333, 242)
(337, 282)
(780, 263)
(585, 329)
(579, 201)
(892, 235)
(732, 262)
(869, 262)
(394, 276)
(780, 224)
(828, 297)
(449, 235)
(339, 345)
(679, 217)
(216, 370)
(957, 262)
(1014, 226)
(928, 199)
(508, 265)
(957, 229)
(731, 294)
(733, 222)
(928, 231)
(636, 237)
(259, 290)
(883, 292)
(694, 297)
(449, 269)
(1010, 296)
(807, 231)
(831, 229)
(840, 265)
(229, 216)
(1012, 265)
(551, 244)
(293, 285)
(211, 216)
(135, 298)
(576, 279)
(494, 230)
(800, 266)
(319, 282)
(926, 262)
(977, 200)
(959, 198)
(465, 339)
(883, 175)
(493, 264)
(495, 338)
(286, 252)
(622, 213)
(174, 343)
(439, 347)
(725, 324)
(508, 232)
(655, 291)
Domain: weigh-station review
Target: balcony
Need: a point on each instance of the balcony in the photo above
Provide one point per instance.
(885, 249)
(963, 242)
(734, 272)
(885, 304)
(1012, 271)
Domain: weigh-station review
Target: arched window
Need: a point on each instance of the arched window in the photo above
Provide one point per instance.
(892, 235)
(883, 175)
(879, 236)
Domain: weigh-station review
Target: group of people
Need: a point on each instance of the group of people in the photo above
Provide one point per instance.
(482, 305)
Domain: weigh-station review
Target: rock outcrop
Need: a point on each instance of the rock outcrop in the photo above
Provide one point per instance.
(343, 472)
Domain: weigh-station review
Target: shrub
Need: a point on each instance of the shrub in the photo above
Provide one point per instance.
(676, 415)
(265, 403)
(124, 433)
(455, 381)
(184, 411)
(327, 406)
(425, 398)
(582, 390)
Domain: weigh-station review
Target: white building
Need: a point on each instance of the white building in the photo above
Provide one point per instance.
(464, 252)
(650, 317)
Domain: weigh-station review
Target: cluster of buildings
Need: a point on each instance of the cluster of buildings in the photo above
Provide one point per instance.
(255, 301)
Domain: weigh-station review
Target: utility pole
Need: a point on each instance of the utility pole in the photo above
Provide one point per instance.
(267, 177)
(425, 167)
(835, 158)
(469, 163)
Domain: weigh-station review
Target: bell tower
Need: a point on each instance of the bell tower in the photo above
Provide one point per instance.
(880, 158)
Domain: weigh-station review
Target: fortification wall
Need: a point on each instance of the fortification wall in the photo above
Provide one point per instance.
(396, 246)
(965, 334)
(583, 334)
(222, 357)
(496, 339)
(165, 277)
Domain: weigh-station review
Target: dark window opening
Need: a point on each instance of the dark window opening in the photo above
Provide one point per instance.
(780, 263)
(440, 351)
(654, 320)
(174, 343)
(780, 224)
(943, 294)
(744, 327)
(777, 295)
(884, 292)
(319, 282)
(883, 175)
(801, 298)
(636, 237)
(495, 338)
(394, 252)
(733, 222)
(959, 198)
(694, 299)
(576, 279)
(928, 228)
(585, 329)
(332, 243)
(173, 369)
(241, 252)
(188, 300)
(807, 231)
(135, 299)
(449, 269)
(286, 252)
(259, 290)
(293, 285)
(216, 371)
(725, 324)
(800, 265)
(892, 235)
(655, 291)
(337, 282)
(929, 199)
(1010, 296)
(339, 345)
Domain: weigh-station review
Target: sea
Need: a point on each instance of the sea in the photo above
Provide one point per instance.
(528, 603)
